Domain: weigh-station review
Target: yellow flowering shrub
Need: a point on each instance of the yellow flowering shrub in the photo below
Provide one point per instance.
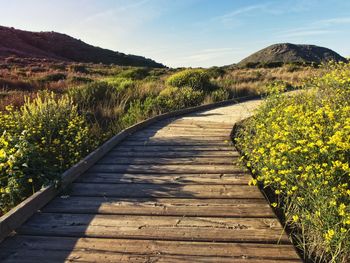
(299, 146)
(13, 164)
(39, 141)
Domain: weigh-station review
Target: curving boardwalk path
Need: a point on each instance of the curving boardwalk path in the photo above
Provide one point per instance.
(171, 192)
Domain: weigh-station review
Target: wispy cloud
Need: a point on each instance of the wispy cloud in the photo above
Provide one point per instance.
(244, 10)
(207, 55)
(304, 32)
(332, 22)
(316, 28)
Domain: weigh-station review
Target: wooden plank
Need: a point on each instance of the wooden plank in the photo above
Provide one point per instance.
(195, 123)
(162, 160)
(173, 148)
(193, 127)
(152, 247)
(176, 142)
(81, 256)
(157, 227)
(165, 190)
(150, 153)
(161, 206)
(179, 138)
(72, 246)
(154, 128)
(119, 178)
(182, 133)
(164, 168)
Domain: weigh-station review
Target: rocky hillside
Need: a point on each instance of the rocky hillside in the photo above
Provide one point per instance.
(57, 46)
(278, 54)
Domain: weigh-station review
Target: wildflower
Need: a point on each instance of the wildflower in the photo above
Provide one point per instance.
(253, 182)
(295, 218)
(329, 235)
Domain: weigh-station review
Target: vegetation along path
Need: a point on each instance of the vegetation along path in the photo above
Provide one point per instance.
(172, 192)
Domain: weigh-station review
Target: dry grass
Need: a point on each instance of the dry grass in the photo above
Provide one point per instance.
(255, 80)
(19, 78)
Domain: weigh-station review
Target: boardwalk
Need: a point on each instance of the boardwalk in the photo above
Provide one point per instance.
(172, 192)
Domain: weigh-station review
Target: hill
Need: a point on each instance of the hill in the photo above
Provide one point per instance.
(279, 54)
(61, 47)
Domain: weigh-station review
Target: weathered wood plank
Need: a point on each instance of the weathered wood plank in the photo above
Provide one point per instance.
(181, 128)
(161, 206)
(165, 190)
(73, 248)
(74, 256)
(163, 160)
(172, 139)
(122, 178)
(181, 133)
(195, 123)
(165, 168)
(157, 227)
(171, 136)
(190, 128)
(173, 148)
(176, 142)
(60, 257)
(131, 152)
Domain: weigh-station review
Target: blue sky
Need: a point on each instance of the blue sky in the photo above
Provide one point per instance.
(188, 32)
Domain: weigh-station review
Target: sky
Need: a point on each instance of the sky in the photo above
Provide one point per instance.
(187, 33)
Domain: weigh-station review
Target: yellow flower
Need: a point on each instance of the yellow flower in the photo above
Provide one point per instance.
(329, 235)
(341, 209)
(253, 182)
(333, 203)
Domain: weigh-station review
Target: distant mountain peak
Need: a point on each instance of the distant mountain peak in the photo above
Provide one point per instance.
(291, 53)
(57, 46)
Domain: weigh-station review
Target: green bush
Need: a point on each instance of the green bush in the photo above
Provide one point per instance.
(169, 99)
(79, 79)
(220, 95)
(197, 79)
(90, 95)
(138, 111)
(54, 77)
(215, 72)
(134, 73)
(38, 142)
(120, 83)
(76, 68)
(173, 98)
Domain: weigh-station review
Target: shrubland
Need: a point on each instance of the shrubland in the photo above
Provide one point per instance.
(298, 148)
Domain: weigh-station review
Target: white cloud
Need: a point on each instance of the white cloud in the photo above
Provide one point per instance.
(247, 9)
(332, 22)
(304, 33)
